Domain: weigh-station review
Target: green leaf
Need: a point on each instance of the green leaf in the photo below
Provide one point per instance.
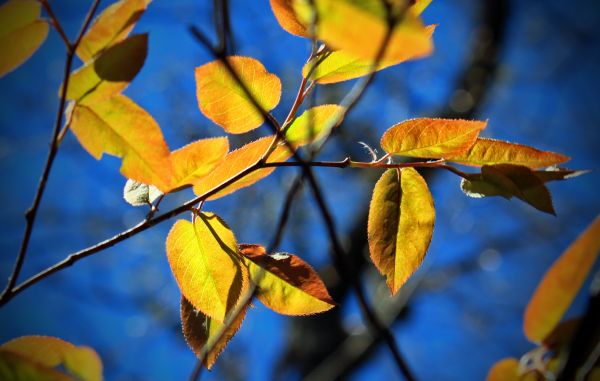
(204, 260)
(110, 73)
(401, 219)
(21, 33)
(509, 181)
(314, 124)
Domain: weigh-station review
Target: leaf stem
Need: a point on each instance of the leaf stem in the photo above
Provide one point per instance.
(56, 24)
(31, 213)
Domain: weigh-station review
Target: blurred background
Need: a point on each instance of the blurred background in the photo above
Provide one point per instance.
(532, 68)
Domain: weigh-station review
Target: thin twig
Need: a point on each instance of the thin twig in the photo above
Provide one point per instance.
(56, 24)
(31, 213)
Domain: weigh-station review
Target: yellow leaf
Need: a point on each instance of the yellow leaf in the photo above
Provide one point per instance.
(14, 367)
(504, 370)
(235, 162)
(561, 284)
(208, 337)
(285, 283)
(490, 152)
(110, 72)
(21, 33)
(284, 13)
(194, 161)
(431, 137)
(82, 362)
(401, 219)
(341, 66)
(121, 128)
(314, 124)
(419, 6)
(359, 27)
(222, 99)
(204, 260)
(111, 27)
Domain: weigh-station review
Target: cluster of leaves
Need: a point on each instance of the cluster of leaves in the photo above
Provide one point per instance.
(218, 277)
(542, 320)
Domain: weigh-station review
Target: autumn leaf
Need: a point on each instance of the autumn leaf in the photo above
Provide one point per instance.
(237, 161)
(21, 33)
(401, 219)
(284, 13)
(359, 27)
(110, 73)
(14, 367)
(51, 352)
(203, 259)
(285, 283)
(222, 99)
(194, 161)
(208, 337)
(112, 26)
(509, 181)
(314, 124)
(121, 128)
(490, 152)
(561, 284)
(504, 370)
(339, 65)
(431, 138)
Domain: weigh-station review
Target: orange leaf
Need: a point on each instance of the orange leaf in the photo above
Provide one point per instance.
(401, 219)
(112, 26)
(203, 258)
(359, 28)
(192, 162)
(490, 151)
(285, 283)
(504, 370)
(21, 33)
(561, 284)
(82, 362)
(222, 99)
(431, 138)
(341, 66)
(121, 128)
(237, 161)
(208, 337)
(110, 73)
(284, 13)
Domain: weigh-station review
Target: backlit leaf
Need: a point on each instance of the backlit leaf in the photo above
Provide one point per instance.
(490, 152)
(110, 72)
(111, 27)
(14, 367)
(21, 33)
(509, 181)
(341, 66)
(82, 361)
(431, 138)
(237, 161)
(192, 162)
(314, 124)
(208, 337)
(561, 284)
(284, 13)
(203, 259)
(140, 194)
(121, 128)
(359, 27)
(285, 283)
(504, 370)
(222, 99)
(401, 219)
